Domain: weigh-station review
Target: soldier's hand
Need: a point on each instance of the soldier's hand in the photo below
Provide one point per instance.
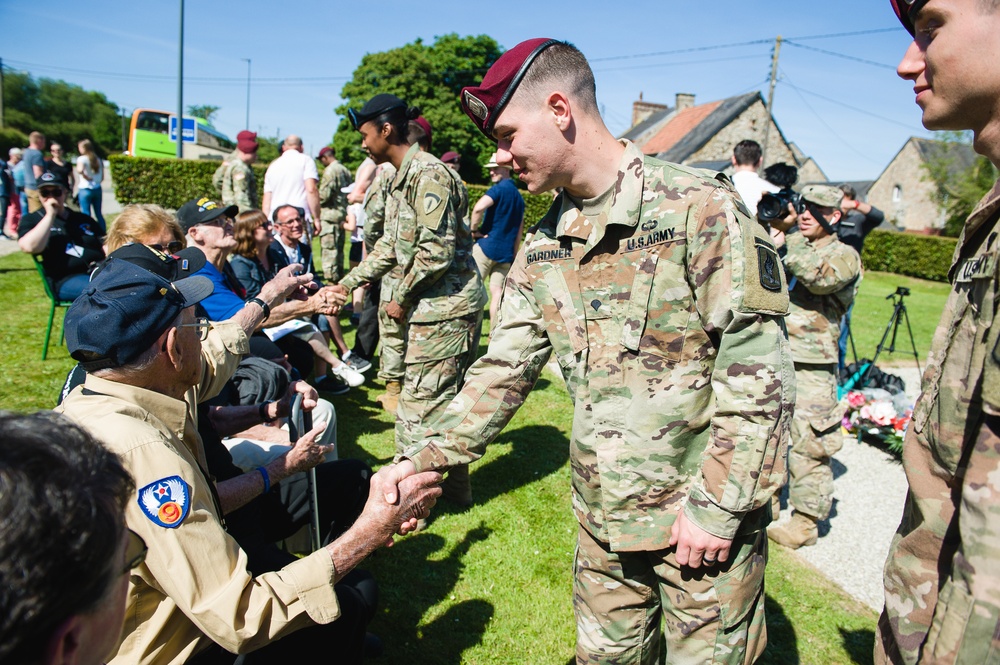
(336, 294)
(790, 220)
(395, 310)
(414, 496)
(696, 546)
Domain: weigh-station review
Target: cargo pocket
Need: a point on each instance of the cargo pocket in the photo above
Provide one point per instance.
(951, 617)
(740, 588)
(432, 360)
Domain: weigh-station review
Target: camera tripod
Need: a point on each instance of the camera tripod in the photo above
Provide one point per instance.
(899, 314)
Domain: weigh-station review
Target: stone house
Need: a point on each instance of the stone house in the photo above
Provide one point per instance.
(703, 135)
(905, 193)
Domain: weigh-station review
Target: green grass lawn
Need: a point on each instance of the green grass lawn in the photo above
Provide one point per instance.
(492, 584)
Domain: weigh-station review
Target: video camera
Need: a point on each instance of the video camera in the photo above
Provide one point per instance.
(775, 206)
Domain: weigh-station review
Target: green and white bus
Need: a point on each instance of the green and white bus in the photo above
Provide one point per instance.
(149, 136)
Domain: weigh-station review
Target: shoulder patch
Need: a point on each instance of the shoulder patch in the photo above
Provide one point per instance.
(166, 502)
(764, 288)
(432, 203)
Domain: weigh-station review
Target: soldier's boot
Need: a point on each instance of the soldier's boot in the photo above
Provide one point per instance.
(798, 532)
(775, 507)
(390, 398)
(456, 487)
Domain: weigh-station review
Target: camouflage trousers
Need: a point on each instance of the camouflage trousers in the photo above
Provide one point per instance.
(331, 242)
(392, 337)
(437, 357)
(816, 438)
(714, 615)
(942, 575)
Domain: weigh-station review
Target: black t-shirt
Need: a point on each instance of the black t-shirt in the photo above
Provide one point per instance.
(65, 171)
(74, 243)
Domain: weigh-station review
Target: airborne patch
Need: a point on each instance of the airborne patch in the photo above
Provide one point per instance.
(476, 106)
(432, 198)
(768, 266)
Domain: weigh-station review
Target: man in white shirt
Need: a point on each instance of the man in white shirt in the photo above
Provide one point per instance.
(292, 180)
(747, 159)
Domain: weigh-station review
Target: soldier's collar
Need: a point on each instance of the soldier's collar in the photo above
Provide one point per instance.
(404, 165)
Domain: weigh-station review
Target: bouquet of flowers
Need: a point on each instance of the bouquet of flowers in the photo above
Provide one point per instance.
(878, 416)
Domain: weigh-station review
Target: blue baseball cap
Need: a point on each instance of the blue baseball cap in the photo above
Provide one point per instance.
(124, 310)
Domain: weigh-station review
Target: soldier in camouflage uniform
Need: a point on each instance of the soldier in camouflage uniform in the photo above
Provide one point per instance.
(824, 275)
(942, 575)
(661, 301)
(392, 333)
(333, 213)
(239, 184)
(439, 295)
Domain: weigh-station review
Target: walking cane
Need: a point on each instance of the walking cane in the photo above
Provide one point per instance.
(301, 420)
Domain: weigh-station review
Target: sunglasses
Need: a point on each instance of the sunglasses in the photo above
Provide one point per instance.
(218, 221)
(51, 192)
(202, 324)
(171, 247)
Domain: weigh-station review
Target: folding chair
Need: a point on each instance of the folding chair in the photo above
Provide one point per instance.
(55, 302)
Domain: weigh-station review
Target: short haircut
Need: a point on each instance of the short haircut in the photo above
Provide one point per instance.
(747, 153)
(849, 191)
(274, 215)
(138, 220)
(416, 134)
(562, 65)
(36, 136)
(62, 503)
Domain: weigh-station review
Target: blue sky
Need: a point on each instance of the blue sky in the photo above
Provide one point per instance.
(838, 96)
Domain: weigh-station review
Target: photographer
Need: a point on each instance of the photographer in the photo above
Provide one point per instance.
(774, 206)
(823, 276)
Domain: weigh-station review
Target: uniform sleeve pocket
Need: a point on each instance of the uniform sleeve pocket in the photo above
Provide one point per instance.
(635, 318)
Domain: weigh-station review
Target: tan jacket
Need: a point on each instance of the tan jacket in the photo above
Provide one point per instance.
(194, 587)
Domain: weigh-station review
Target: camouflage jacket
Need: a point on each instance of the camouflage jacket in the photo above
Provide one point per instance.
(951, 455)
(663, 313)
(221, 171)
(425, 235)
(332, 201)
(375, 198)
(824, 277)
(239, 186)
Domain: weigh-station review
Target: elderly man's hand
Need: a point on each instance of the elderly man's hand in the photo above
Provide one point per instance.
(306, 453)
(309, 398)
(290, 282)
(336, 293)
(321, 303)
(415, 495)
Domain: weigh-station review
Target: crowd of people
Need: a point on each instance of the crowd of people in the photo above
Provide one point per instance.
(698, 340)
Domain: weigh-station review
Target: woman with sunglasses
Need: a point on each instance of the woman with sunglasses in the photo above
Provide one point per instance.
(147, 224)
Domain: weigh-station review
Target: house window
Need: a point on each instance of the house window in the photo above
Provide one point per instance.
(897, 194)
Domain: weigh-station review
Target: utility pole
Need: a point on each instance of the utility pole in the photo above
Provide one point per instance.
(180, 88)
(247, 124)
(1, 93)
(770, 99)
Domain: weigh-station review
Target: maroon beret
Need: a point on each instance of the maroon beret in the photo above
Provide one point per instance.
(906, 10)
(246, 141)
(246, 135)
(424, 125)
(485, 103)
(450, 156)
(327, 150)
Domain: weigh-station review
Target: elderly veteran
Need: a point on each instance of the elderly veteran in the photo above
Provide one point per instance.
(136, 334)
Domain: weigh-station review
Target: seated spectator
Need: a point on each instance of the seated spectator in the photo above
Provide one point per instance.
(65, 551)
(69, 242)
(251, 265)
(287, 247)
(147, 224)
(147, 372)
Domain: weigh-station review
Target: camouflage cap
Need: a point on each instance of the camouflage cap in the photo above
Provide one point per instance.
(485, 102)
(826, 196)
(906, 10)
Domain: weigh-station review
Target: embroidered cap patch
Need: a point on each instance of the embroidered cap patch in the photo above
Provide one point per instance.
(166, 502)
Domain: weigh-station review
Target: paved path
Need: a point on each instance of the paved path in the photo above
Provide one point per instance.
(869, 489)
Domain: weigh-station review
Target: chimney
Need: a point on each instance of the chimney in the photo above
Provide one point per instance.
(642, 110)
(685, 100)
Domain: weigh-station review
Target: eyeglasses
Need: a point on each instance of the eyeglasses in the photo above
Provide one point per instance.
(171, 248)
(135, 551)
(51, 192)
(293, 220)
(202, 324)
(218, 221)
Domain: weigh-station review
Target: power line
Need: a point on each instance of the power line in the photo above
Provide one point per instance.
(841, 55)
(171, 77)
(840, 103)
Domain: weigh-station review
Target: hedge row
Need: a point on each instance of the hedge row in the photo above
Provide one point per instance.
(167, 182)
(535, 205)
(926, 257)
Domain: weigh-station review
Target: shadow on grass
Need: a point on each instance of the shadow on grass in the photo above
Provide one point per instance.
(443, 640)
(859, 644)
(782, 643)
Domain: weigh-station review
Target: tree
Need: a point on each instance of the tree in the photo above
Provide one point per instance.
(64, 112)
(204, 111)
(961, 178)
(430, 77)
